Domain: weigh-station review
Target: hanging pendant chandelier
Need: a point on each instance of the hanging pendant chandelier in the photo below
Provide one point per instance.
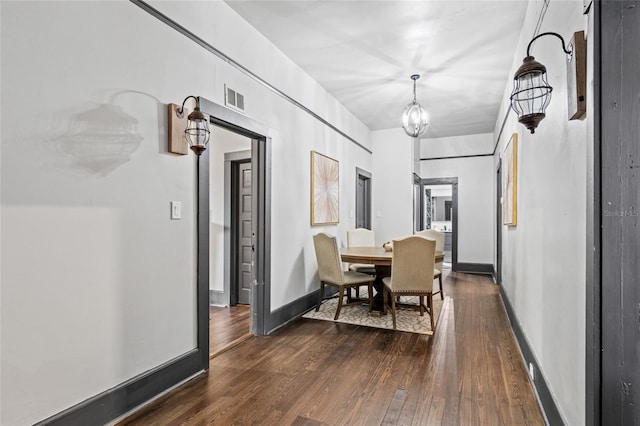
(414, 117)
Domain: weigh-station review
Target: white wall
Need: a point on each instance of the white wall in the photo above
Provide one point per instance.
(475, 203)
(93, 269)
(294, 134)
(392, 183)
(454, 146)
(544, 255)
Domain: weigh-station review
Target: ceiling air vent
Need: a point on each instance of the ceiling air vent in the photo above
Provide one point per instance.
(233, 99)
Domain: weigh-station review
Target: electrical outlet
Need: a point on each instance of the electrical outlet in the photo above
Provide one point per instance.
(532, 372)
(176, 210)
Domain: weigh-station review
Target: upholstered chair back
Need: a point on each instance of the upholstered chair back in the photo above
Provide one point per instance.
(413, 264)
(439, 239)
(437, 236)
(360, 237)
(328, 256)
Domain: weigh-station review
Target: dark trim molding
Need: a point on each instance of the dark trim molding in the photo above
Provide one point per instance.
(497, 274)
(593, 293)
(121, 399)
(261, 206)
(367, 208)
(210, 48)
(457, 156)
(614, 299)
(476, 268)
(287, 313)
(545, 400)
(202, 230)
(453, 181)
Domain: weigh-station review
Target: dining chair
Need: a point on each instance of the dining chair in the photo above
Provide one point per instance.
(361, 237)
(411, 275)
(439, 238)
(330, 272)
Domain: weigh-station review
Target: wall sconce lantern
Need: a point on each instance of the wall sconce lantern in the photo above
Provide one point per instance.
(414, 117)
(196, 128)
(532, 92)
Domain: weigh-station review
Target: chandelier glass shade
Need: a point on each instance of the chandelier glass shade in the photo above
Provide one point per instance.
(414, 118)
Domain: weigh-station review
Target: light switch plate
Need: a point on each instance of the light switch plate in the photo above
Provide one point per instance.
(176, 210)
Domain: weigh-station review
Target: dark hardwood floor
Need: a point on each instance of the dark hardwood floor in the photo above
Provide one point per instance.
(319, 373)
(227, 326)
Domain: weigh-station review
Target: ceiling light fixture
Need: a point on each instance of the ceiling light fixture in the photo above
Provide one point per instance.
(414, 117)
(531, 90)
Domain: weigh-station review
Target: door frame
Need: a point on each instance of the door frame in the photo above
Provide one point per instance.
(453, 181)
(367, 207)
(231, 162)
(498, 271)
(261, 221)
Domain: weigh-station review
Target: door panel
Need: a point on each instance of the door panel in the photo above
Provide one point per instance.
(360, 213)
(243, 257)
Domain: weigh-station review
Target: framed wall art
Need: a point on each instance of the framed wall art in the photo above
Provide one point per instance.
(325, 190)
(510, 182)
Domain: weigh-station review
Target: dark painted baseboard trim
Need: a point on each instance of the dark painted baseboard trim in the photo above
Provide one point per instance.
(475, 268)
(545, 400)
(123, 398)
(287, 313)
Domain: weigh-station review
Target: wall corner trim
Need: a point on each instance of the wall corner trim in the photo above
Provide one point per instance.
(289, 312)
(546, 402)
(475, 268)
(128, 396)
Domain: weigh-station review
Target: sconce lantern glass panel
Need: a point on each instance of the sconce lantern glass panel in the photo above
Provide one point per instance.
(197, 132)
(531, 93)
(414, 120)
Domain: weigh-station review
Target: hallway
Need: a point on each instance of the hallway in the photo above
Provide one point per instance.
(320, 373)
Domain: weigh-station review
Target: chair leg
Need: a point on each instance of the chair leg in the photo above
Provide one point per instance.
(441, 290)
(430, 302)
(393, 311)
(385, 301)
(421, 300)
(320, 296)
(370, 294)
(339, 303)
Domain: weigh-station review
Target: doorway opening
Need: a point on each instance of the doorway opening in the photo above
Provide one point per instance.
(439, 211)
(237, 140)
(230, 241)
(363, 199)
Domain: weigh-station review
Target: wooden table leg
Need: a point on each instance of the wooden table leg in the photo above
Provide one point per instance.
(381, 272)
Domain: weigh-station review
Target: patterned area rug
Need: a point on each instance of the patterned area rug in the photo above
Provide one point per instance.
(407, 319)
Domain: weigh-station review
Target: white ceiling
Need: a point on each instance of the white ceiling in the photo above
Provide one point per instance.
(363, 53)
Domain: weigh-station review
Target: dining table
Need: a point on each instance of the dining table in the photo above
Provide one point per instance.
(382, 260)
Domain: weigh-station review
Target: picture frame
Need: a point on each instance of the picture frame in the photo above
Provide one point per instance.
(510, 182)
(325, 190)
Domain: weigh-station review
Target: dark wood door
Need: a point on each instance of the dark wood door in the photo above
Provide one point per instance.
(243, 233)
